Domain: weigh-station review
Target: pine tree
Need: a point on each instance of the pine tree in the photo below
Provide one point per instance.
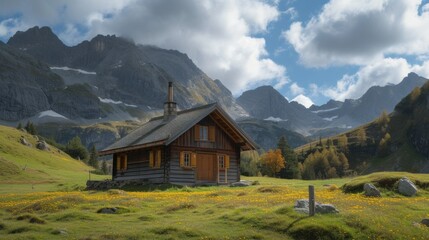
(76, 150)
(93, 158)
(19, 126)
(291, 169)
(30, 128)
(104, 167)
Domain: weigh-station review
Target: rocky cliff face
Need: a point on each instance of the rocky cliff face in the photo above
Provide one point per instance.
(119, 70)
(354, 112)
(266, 103)
(25, 83)
(29, 87)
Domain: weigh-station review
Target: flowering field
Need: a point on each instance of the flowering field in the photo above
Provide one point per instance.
(263, 211)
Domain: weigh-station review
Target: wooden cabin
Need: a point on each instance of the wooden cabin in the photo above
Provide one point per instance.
(201, 145)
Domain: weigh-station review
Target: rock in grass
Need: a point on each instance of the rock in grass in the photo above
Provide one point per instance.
(25, 142)
(241, 183)
(406, 187)
(302, 205)
(42, 145)
(107, 210)
(371, 190)
(326, 208)
(425, 222)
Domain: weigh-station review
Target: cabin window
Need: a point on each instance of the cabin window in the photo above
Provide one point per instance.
(223, 161)
(205, 133)
(121, 162)
(155, 158)
(187, 159)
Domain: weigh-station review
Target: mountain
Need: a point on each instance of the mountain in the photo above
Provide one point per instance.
(123, 73)
(395, 142)
(30, 88)
(354, 112)
(266, 103)
(267, 133)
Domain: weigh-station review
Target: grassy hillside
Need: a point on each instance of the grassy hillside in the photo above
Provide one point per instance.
(395, 142)
(263, 211)
(30, 169)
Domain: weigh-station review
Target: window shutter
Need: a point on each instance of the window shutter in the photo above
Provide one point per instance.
(197, 132)
(118, 162)
(212, 132)
(125, 162)
(182, 159)
(151, 159)
(226, 161)
(193, 160)
(158, 159)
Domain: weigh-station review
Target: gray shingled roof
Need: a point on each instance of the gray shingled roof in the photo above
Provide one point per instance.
(159, 132)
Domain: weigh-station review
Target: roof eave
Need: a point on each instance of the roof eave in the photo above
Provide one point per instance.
(131, 148)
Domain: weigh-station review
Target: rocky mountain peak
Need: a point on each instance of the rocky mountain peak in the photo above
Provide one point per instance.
(35, 35)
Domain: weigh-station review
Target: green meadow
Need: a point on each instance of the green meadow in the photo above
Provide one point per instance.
(42, 198)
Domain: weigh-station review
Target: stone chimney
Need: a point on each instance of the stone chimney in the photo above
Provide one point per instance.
(170, 109)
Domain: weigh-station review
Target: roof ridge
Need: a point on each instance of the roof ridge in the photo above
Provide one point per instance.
(188, 110)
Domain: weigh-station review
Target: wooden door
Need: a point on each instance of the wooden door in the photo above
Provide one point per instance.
(206, 167)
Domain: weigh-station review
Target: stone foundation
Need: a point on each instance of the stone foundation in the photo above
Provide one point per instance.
(109, 184)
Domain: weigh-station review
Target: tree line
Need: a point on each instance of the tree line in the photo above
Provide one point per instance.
(283, 162)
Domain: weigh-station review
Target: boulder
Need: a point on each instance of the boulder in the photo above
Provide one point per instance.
(302, 205)
(406, 187)
(242, 183)
(425, 222)
(371, 190)
(42, 145)
(326, 208)
(25, 142)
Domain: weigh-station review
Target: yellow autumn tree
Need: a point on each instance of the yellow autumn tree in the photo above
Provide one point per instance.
(272, 162)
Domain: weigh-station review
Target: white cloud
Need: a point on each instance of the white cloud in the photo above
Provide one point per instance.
(380, 73)
(303, 100)
(293, 14)
(360, 32)
(219, 36)
(296, 89)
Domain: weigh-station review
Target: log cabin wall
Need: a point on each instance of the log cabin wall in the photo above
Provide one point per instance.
(222, 144)
(222, 140)
(138, 167)
(177, 174)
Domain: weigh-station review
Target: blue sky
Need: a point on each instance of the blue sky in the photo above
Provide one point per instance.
(310, 51)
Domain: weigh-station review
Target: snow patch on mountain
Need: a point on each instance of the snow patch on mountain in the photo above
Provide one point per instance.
(50, 113)
(275, 119)
(325, 110)
(73, 69)
(330, 119)
(107, 100)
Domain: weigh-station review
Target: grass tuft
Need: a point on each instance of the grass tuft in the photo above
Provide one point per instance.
(31, 219)
(146, 218)
(269, 189)
(180, 207)
(315, 230)
(164, 230)
(20, 230)
(74, 216)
